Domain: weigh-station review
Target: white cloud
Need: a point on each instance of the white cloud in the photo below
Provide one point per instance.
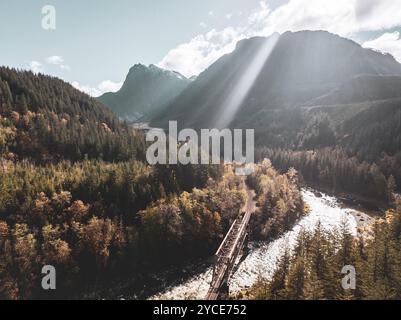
(193, 57)
(65, 67)
(211, 13)
(377, 14)
(203, 25)
(388, 42)
(229, 16)
(58, 61)
(110, 86)
(35, 66)
(103, 87)
(94, 92)
(343, 17)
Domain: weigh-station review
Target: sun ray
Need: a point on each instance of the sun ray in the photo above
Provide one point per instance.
(242, 88)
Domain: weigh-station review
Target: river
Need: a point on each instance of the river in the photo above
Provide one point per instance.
(262, 258)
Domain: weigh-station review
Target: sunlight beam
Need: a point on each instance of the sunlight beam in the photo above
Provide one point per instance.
(240, 91)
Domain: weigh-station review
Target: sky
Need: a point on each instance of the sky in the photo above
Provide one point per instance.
(93, 43)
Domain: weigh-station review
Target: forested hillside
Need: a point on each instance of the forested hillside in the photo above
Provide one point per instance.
(45, 119)
(352, 148)
(84, 219)
(339, 172)
(76, 193)
(279, 200)
(72, 183)
(313, 269)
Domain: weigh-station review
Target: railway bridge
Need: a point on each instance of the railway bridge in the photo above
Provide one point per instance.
(230, 250)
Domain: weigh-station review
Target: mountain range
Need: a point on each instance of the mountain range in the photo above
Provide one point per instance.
(304, 90)
(145, 91)
(307, 68)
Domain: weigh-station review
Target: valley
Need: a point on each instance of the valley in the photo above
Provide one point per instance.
(263, 257)
(78, 192)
